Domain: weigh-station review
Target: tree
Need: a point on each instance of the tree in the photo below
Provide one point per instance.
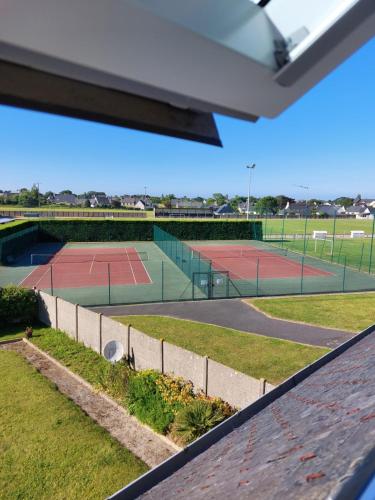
(283, 200)
(313, 202)
(86, 203)
(267, 204)
(344, 201)
(219, 198)
(167, 200)
(66, 191)
(115, 203)
(28, 198)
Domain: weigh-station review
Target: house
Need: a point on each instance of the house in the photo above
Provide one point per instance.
(359, 211)
(186, 203)
(224, 210)
(242, 208)
(310, 437)
(327, 210)
(129, 201)
(99, 200)
(369, 202)
(143, 204)
(296, 209)
(64, 199)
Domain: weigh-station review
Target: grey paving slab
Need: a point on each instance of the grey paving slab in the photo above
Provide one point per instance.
(235, 314)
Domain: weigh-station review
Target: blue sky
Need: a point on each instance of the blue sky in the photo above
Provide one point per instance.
(325, 141)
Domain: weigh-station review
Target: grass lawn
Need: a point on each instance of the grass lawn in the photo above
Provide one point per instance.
(353, 312)
(11, 332)
(355, 253)
(297, 226)
(48, 447)
(260, 357)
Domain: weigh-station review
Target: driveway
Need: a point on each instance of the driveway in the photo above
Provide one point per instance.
(234, 313)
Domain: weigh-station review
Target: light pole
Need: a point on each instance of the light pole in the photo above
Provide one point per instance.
(250, 167)
(38, 184)
(145, 191)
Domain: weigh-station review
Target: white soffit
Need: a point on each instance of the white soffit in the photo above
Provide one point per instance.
(209, 55)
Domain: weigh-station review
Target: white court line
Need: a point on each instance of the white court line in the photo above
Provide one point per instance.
(131, 267)
(24, 279)
(31, 272)
(39, 280)
(92, 263)
(145, 268)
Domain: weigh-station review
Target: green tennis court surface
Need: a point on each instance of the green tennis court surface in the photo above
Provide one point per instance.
(191, 270)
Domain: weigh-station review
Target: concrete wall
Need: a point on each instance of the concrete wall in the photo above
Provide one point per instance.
(66, 317)
(144, 352)
(89, 329)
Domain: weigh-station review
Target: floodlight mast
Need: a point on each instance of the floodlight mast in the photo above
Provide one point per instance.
(250, 167)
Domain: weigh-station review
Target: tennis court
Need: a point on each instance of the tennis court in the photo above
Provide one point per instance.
(83, 267)
(169, 269)
(247, 262)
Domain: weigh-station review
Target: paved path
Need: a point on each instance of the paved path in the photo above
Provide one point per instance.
(143, 442)
(235, 314)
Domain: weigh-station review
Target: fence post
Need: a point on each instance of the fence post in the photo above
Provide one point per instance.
(372, 241)
(109, 282)
(162, 355)
(205, 374)
(333, 238)
(343, 275)
(304, 237)
(282, 232)
(262, 387)
(51, 280)
(128, 342)
(162, 280)
(360, 262)
(56, 325)
(302, 269)
(100, 315)
(76, 321)
(257, 289)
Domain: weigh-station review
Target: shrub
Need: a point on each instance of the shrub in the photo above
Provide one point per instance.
(142, 230)
(17, 305)
(114, 379)
(145, 401)
(196, 419)
(175, 391)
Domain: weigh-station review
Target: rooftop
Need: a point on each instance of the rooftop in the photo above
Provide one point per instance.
(309, 438)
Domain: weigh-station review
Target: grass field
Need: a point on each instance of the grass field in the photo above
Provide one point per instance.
(49, 447)
(257, 356)
(297, 226)
(352, 312)
(355, 253)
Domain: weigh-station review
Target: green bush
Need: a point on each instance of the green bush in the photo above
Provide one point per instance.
(17, 305)
(142, 230)
(196, 419)
(14, 227)
(114, 379)
(145, 401)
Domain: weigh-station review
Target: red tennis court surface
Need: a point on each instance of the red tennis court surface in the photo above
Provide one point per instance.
(241, 262)
(87, 267)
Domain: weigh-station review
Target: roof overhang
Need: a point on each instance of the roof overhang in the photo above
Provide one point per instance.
(166, 66)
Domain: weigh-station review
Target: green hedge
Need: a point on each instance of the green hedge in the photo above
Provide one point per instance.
(142, 230)
(17, 305)
(14, 227)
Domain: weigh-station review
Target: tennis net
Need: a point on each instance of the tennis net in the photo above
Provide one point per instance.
(38, 259)
(227, 253)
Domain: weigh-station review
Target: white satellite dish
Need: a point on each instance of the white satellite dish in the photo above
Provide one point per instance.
(114, 351)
